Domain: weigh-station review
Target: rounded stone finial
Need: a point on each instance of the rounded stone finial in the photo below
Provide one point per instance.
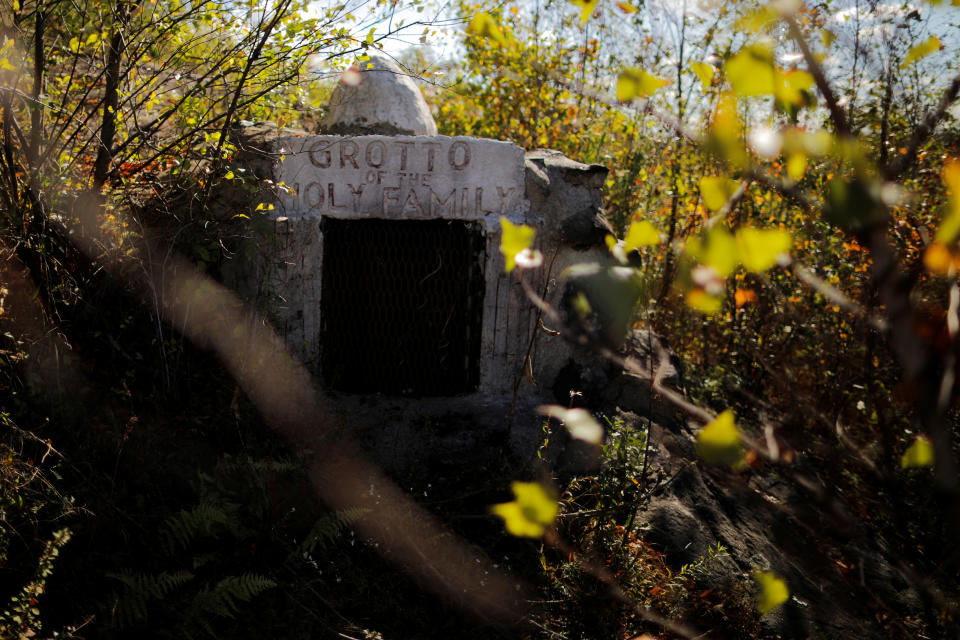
(385, 101)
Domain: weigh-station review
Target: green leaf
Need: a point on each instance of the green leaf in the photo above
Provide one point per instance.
(852, 205)
(760, 249)
(641, 234)
(637, 83)
(531, 513)
(773, 591)
(719, 441)
(485, 26)
(717, 190)
(921, 50)
(920, 454)
(705, 72)
(751, 71)
(514, 239)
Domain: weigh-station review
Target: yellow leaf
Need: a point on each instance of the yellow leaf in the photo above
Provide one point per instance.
(637, 83)
(760, 249)
(717, 190)
(616, 249)
(705, 72)
(93, 38)
(719, 441)
(229, 175)
(700, 300)
(641, 234)
(586, 8)
(515, 238)
(950, 226)
(484, 26)
(725, 132)
(5, 64)
(790, 86)
(920, 454)
(751, 72)
(756, 20)
(796, 165)
(773, 591)
(531, 513)
(16, 5)
(939, 259)
(921, 50)
(75, 44)
(717, 250)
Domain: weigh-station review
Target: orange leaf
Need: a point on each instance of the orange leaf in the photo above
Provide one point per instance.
(744, 296)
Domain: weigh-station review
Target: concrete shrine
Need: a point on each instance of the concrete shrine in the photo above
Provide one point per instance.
(382, 266)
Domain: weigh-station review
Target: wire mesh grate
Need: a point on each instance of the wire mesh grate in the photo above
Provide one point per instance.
(401, 306)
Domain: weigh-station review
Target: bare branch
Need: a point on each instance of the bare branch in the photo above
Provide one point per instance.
(836, 113)
(923, 132)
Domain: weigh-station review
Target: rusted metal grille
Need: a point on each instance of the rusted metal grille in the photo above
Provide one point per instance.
(401, 306)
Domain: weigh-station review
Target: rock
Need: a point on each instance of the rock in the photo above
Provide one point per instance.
(386, 102)
(569, 193)
(632, 392)
(768, 524)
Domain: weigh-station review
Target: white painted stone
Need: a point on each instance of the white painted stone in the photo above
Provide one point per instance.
(402, 178)
(385, 101)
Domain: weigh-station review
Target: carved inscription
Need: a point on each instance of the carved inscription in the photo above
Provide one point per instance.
(402, 177)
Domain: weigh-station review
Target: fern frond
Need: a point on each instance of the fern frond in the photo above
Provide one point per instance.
(224, 598)
(328, 526)
(140, 589)
(183, 527)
